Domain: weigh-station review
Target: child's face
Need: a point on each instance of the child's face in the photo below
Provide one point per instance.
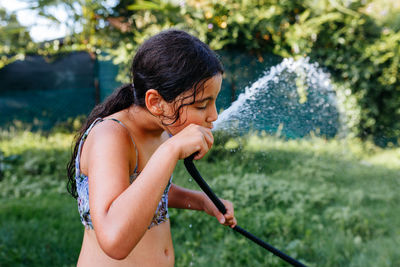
(203, 112)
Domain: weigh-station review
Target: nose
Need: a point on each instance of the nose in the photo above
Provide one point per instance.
(213, 116)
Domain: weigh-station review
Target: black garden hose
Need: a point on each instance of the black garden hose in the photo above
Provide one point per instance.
(204, 186)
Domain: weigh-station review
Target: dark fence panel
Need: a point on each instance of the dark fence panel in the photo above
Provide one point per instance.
(107, 72)
(42, 93)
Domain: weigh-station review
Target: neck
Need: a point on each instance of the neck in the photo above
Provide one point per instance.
(140, 122)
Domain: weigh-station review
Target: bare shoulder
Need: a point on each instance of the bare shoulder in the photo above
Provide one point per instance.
(110, 128)
(107, 138)
(108, 133)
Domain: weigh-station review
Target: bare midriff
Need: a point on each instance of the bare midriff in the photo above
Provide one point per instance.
(154, 249)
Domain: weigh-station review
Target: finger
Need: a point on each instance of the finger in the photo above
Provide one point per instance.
(229, 221)
(229, 207)
(202, 146)
(200, 154)
(234, 223)
(221, 218)
(206, 143)
(209, 137)
(228, 217)
(231, 224)
(229, 213)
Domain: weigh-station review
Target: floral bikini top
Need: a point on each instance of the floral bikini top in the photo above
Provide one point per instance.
(82, 186)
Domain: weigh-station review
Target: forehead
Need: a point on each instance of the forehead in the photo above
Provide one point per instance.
(207, 89)
(211, 87)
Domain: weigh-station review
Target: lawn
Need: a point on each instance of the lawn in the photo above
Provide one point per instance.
(324, 202)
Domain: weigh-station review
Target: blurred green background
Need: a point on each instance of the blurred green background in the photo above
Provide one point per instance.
(325, 201)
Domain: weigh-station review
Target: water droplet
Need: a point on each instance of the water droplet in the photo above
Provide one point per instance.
(190, 225)
(189, 206)
(190, 179)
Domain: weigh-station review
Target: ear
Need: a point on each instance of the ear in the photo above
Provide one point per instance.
(154, 102)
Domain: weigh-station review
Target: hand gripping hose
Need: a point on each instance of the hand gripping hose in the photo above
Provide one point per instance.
(204, 186)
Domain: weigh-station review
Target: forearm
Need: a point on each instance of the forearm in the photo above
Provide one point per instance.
(127, 219)
(182, 198)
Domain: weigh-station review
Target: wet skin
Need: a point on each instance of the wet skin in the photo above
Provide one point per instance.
(121, 212)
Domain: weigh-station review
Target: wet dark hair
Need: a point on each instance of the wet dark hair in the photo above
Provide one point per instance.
(171, 62)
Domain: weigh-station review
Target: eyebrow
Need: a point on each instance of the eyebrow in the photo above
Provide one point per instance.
(204, 99)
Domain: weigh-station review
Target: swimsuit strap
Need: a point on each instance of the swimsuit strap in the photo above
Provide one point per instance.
(78, 155)
(77, 159)
(133, 141)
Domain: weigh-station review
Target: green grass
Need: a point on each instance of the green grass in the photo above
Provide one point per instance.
(326, 203)
(39, 231)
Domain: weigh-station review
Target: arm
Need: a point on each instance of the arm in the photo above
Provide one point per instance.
(182, 198)
(122, 212)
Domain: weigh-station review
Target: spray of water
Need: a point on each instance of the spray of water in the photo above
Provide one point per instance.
(293, 98)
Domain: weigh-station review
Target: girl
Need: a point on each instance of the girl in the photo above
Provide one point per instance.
(121, 168)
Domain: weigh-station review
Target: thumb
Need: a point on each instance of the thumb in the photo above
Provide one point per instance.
(220, 217)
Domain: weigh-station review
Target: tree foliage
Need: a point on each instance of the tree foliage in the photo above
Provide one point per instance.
(357, 40)
(360, 49)
(14, 39)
